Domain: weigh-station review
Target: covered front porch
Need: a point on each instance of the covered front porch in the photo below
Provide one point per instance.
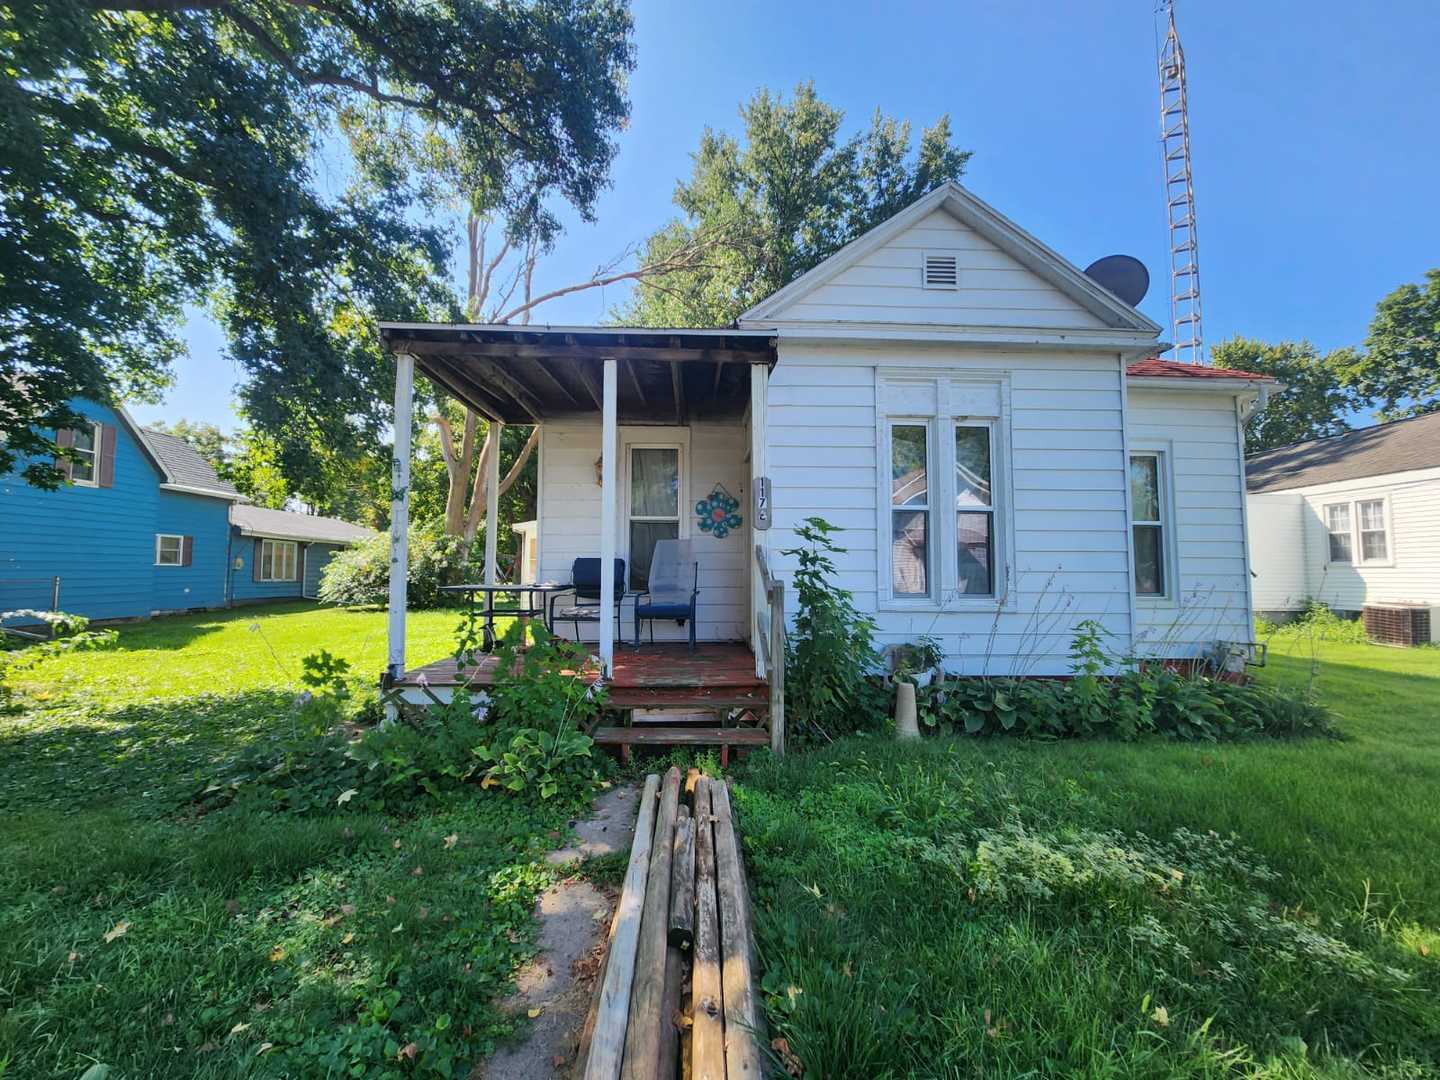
(642, 432)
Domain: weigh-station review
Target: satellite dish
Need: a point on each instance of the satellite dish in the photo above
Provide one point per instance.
(1123, 275)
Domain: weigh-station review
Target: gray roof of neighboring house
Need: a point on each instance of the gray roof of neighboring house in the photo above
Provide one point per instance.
(286, 525)
(1400, 446)
(184, 466)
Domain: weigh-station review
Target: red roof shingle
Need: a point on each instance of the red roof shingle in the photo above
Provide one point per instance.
(1156, 368)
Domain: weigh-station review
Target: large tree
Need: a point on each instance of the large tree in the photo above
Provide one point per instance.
(158, 152)
(1400, 366)
(791, 194)
(1313, 400)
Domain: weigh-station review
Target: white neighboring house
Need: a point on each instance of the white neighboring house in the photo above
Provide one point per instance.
(1350, 520)
(987, 424)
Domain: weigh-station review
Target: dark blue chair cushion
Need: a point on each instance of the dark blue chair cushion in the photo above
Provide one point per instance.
(663, 611)
(585, 577)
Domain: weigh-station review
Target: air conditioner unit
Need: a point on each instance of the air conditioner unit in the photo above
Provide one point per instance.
(1397, 624)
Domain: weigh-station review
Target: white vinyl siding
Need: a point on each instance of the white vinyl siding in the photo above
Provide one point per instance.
(1062, 550)
(568, 518)
(1207, 596)
(1409, 520)
(279, 561)
(993, 288)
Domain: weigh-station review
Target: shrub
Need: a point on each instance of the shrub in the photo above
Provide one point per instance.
(361, 574)
(1319, 623)
(830, 656)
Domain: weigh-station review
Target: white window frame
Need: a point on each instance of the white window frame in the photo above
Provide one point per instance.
(97, 436)
(1358, 548)
(1349, 531)
(682, 496)
(271, 578)
(160, 539)
(1169, 546)
(928, 424)
(954, 393)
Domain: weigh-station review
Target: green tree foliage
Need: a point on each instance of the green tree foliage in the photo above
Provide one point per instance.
(158, 152)
(1400, 367)
(361, 573)
(787, 198)
(1314, 401)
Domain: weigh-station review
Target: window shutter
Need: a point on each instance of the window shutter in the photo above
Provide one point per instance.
(255, 561)
(64, 438)
(187, 550)
(105, 475)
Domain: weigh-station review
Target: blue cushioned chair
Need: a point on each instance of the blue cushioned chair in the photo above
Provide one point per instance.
(674, 586)
(585, 594)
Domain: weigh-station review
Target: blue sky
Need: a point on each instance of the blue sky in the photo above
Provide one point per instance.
(1315, 134)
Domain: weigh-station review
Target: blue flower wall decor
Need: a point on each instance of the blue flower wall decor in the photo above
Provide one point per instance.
(717, 514)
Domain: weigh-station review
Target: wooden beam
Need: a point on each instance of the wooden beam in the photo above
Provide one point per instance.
(609, 448)
(591, 386)
(400, 512)
(719, 369)
(607, 1043)
(540, 366)
(742, 1014)
(505, 350)
(512, 386)
(635, 382)
(492, 508)
(677, 387)
(643, 1032)
(707, 1031)
(444, 376)
(681, 932)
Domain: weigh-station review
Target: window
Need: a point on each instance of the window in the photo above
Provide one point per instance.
(1147, 523)
(85, 465)
(169, 550)
(1374, 545)
(909, 510)
(974, 510)
(1337, 524)
(278, 560)
(654, 505)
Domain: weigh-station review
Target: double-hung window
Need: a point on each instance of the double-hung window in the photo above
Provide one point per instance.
(654, 505)
(85, 450)
(941, 491)
(1147, 522)
(169, 550)
(1374, 544)
(279, 560)
(1337, 525)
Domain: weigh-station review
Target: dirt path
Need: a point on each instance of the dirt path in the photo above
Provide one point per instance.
(574, 917)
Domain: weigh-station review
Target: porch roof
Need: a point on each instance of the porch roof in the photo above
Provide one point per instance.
(529, 374)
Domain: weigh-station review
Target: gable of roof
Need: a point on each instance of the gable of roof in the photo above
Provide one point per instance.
(184, 467)
(1399, 446)
(1155, 368)
(1040, 259)
(287, 525)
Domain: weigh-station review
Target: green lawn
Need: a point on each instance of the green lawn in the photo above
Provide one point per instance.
(997, 907)
(138, 934)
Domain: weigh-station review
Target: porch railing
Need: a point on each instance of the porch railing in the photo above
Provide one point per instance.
(770, 636)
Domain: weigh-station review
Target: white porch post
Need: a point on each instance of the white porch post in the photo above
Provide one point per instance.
(492, 502)
(759, 466)
(400, 511)
(608, 438)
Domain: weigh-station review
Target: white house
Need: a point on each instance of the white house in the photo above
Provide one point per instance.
(985, 422)
(1352, 520)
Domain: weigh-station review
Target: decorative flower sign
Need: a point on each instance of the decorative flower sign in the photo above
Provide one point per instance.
(717, 514)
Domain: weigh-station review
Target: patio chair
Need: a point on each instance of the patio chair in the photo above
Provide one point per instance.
(584, 592)
(674, 586)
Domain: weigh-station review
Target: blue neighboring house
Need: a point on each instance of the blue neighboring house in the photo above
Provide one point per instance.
(146, 527)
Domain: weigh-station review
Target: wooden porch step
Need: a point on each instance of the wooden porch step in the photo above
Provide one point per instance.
(655, 735)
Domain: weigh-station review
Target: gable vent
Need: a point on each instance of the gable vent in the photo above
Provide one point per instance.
(940, 271)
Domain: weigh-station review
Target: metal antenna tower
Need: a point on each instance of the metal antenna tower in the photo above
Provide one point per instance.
(1180, 197)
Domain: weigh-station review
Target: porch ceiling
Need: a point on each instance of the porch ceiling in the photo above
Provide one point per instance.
(529, 374)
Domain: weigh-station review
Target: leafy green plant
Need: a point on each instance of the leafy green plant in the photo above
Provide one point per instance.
(361, 574)
(831, 658)
(1318, 622)
(67, 633)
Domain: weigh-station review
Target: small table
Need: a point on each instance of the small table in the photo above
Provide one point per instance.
(527, 610)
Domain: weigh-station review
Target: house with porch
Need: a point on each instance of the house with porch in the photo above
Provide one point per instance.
(990, 427)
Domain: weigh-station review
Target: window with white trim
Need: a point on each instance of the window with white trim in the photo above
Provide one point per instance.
(942, 493)
(1147, 522)
(169, 550)
(909, 510)
(1374, 543)
(1337, 525)
(279, 560)
(85, 462)
(655, 479)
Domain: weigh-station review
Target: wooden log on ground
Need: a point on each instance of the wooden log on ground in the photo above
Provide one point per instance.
(644, 1032)
(676, 961)
(682, 884)
(707, 1032)
(742, 1019)
(607, 1042)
